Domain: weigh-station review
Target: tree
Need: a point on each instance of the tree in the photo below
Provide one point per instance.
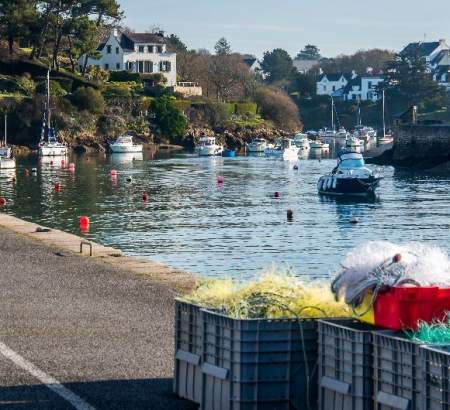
(175, 44)
(169, 120)
(87, 98)
(16, 17)
(278, 107)
(303, 84)
(228, 74)
(310, 52)
(277, 65)
(409, 82)
(222, 47)
(361, 61)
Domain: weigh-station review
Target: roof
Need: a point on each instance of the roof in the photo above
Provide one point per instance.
(442, 58)
(331, 77)
(249, 59)
(423, 49)
(353, 83)
(100, 46)
(145, 38)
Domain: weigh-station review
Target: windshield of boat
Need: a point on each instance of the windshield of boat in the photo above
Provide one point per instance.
(351, 163)
(207, 141)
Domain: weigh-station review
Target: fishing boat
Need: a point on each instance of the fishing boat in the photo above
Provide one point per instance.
(350, 177)
(284, 148)
(207, 147)
(124, 144)
(49, 145)
(256, 145)
(301, 142)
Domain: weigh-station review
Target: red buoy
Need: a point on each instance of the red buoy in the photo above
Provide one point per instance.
(27, 172)
(220, 179)
(145, 197)
(84, 223)
(113, 173)
(57, 187)
(2, 201)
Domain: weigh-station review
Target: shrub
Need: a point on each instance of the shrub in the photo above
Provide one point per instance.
(246, 108)
(156, 91)
(153, 79)
(87, 98)
(55, 88)
(183, 105)
(124, 76)
(117, 91)
(26, 84)
(111, 125)
(8, 84)
(168, 119)
(65, 83)
(278, 107)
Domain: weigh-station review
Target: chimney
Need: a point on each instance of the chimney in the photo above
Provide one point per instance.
(161, 33)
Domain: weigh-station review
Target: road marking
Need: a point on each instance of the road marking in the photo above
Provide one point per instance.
(53, 384)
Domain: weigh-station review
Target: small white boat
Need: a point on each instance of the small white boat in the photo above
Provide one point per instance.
(124, 145)
(302, 142)
(207, 147)
(386, 139)
(285, 149)
(5, 151)
(353, 143)
(342, 133)
(49, 146)
(316, 144)
(7, 163)
(256, 145)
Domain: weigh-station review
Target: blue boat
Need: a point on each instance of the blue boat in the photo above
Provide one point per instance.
(228, 153)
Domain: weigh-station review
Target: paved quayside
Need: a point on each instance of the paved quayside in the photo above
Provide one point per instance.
(79, 332)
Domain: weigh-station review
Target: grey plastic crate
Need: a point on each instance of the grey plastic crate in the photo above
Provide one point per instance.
(345, 365)
(435, 361)
(258, 364)
(397, 372)
(188, 378)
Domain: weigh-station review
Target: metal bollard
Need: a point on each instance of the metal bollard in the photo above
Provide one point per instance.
(88, 244)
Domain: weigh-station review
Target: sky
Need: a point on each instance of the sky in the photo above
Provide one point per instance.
(256, 26)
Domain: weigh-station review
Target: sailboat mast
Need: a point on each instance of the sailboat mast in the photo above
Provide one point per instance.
(384, 120)
(6, 129)
(48, 99)
(332, 113)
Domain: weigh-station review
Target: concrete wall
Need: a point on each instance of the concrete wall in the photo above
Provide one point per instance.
(423, 142)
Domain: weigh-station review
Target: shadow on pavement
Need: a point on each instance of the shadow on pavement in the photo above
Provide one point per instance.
(152, 394)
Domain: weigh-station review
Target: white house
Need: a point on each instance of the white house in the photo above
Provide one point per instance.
(362, 88)
(136, 52)
(304, 66)
(333, 84)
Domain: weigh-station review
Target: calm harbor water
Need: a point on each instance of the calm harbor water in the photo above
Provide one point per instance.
(236, 228)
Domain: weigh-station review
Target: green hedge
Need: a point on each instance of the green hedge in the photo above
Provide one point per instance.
(182, 104)
(229, 107)
(246, 108)
(124, 76)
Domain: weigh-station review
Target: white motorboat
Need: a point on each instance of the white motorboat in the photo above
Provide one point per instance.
(301, 142)
(342, 133)
(256, 145)
(349, 177)
(125, 145)
(284, 148)
(207, 147)
(49, 145)
(316, 144)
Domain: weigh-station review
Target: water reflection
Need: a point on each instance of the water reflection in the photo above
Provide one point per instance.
(237, 227)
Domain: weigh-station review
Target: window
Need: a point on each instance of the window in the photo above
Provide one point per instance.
(151, 49)
(108, 49)
(369, 84)
(140, 66)
(117, 66)
(117, 50)
(141, 49)
(160, 49)
(106, 66)
(148, 67)
(130, 66)
(351, 163)
(165, 66)
(334, 88)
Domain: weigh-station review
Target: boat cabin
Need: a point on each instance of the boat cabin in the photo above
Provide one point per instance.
(207, 141)
(350, 160)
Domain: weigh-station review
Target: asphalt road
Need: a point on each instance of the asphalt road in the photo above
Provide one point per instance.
(80, 334)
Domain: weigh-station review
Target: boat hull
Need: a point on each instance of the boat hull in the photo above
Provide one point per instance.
(286, 154)
(332, 185)
(7, 163)
(210, 151)
(125, 149)
(256, 147)
(5, 152)
(53, 151)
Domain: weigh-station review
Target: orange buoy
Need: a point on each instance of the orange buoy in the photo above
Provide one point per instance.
(2, 201)
(26, 172)
(84, 223)
(145, 197)
(57, 187)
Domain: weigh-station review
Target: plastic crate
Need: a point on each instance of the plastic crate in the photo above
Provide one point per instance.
(402, 307)
(397, 372)
(258, 364)
(188, 350)
(435, 362)
(345, 365)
